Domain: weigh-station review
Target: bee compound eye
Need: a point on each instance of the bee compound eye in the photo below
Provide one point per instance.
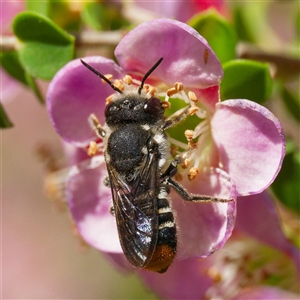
(154, 107)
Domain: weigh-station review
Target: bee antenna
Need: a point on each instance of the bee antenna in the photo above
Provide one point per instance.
(101, 76)
(148, 74)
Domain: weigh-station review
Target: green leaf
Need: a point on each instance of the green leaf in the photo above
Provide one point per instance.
(11, 63)
(103, 16)
(286, 185)
(45, 48)
(4, 120)
(246, 79)
(292, 102)
(219, 33)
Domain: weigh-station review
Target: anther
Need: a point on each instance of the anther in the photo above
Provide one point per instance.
(109, 99)
(166, 104)
(189, 134)
(92, 149)
(193, 110)
(119, 84)
(174, 150)
(193, 172)
(151, 90)
(127, 79)
(178, 86)
(192, 96)
(214, 274)
(186, 163)
(172, 91)
(108, 76)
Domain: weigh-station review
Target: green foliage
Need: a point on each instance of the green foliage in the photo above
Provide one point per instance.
(292, 102)
(219, 33)
(44, 47)
(103, 16)
(4, 120)
(246, 79)
(286, 185)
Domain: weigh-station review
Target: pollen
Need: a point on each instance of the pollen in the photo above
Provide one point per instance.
(127, 79)
(92, 149)
(108, 76)
(192, 96)
(214, 274)
(193, 172)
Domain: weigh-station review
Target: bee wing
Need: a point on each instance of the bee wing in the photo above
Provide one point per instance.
(136, 210)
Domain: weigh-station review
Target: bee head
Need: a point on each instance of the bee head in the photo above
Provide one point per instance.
(134, 108)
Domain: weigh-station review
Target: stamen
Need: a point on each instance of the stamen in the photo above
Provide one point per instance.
(186, 163)
(174, 150)
(192, 96)
(127, 79)
(193, 172)
(178, 143)
(214, 274)
(92, 149)
(201, 127)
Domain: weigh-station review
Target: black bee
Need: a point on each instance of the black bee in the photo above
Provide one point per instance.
(140, 171)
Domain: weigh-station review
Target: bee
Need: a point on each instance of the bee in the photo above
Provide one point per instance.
(140, 174)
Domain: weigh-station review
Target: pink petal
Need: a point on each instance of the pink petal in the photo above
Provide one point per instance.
(186, 279)
(74, 93)
(250, 142)
(89, 202)
(209, 97)
(187, 56)
(204, 227)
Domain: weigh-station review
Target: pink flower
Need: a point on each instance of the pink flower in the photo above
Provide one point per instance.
(240, 145)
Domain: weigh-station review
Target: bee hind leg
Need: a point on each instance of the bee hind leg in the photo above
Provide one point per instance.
(185, 195)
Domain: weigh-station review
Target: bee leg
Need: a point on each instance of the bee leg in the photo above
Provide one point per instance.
(185, 195)
(96, 126)
(176, 118)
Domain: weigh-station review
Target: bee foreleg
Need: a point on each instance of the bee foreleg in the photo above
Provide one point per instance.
(176, 118)
(112, 210)
(185, 195)
(96, 126)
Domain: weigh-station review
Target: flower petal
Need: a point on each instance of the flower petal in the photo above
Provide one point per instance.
(204, 227)
(250, 142)
(89, 201)
(74, 93)
(186, 279)
(187, 56)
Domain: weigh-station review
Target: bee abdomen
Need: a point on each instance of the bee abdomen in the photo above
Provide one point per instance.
(166, 246)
